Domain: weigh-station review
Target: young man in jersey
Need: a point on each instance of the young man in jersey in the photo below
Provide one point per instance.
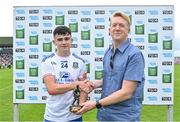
(61, 72)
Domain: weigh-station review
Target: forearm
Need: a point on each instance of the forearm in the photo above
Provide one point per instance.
(98, 83)
(61, 88)
(83, 97)
(115, 97)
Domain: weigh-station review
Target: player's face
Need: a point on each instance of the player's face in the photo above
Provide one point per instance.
(118, 29)
(63, 42)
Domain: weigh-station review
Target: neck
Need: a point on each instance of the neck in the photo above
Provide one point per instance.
(63, 53)
(117, 43)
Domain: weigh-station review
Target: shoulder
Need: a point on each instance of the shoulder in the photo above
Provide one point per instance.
(78, 58)
(107, 50)
(48, 57)
(134, 52)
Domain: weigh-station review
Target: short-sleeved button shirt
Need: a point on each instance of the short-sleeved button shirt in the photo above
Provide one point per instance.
(128, 64)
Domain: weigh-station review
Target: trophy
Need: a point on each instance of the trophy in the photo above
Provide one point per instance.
(75, 105)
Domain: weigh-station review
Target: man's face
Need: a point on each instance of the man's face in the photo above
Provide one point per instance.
(118, 29)
(63, 42)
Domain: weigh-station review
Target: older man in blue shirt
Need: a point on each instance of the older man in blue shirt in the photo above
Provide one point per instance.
(123, 80)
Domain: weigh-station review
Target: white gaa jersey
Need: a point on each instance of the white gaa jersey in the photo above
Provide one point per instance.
(65, 70)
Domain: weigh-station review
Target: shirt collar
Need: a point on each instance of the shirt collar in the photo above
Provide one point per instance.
(122, 46)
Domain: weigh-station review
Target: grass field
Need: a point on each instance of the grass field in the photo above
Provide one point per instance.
(34, 112)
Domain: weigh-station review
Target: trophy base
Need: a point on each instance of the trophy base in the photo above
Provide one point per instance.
(74, 108)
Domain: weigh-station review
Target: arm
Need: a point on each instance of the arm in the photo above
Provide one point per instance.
(54, 88)
(135, 67)
(98, 83)
(123, 94)
(83, 94)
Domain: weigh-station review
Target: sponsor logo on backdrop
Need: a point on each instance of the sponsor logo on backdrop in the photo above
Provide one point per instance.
(152, 98)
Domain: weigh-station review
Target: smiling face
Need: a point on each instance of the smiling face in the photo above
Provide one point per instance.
(63, 42)
(119, 29)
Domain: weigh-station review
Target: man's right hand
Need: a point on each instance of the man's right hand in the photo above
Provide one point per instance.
(85, 85)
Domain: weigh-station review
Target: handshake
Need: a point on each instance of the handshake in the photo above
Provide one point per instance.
(86, 86)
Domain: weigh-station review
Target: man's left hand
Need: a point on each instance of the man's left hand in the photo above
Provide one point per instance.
(87, 106)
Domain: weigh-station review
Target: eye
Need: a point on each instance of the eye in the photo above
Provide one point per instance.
(67, 38)
(114, 25)
(122, 25)
(60, 39)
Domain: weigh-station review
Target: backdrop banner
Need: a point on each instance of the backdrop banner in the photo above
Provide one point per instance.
(152, 31)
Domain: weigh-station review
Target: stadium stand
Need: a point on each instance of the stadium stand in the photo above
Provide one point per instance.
(6, 52)
(177, 60)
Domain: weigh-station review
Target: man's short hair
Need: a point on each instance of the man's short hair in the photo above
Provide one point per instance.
(62, 30)
(120, 14)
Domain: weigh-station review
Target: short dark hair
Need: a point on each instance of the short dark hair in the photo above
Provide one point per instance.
(62, 30)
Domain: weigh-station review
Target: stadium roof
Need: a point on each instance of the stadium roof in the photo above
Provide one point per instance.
(6, 41)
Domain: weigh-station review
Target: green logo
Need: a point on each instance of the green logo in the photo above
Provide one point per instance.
(47, 47)
(99, 42)
(33, 72)
(59, 20)
(167, 78)
(73, 27)
(152, 71)
(153, 38)
(167, 44)
(88, 67)
(139, 29)
(33, 40)
(85, 35)
(98, 75)
(20, 33)
(19, 64)
(20, 93)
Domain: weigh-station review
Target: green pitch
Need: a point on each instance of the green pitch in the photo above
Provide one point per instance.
(34, 112)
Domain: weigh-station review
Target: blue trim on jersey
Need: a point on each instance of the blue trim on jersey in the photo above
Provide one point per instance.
(49, 56)
(78, 57)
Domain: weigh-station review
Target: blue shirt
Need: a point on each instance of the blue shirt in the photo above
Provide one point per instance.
(128, 64)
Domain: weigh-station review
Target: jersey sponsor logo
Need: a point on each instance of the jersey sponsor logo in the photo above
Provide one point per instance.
(64, 77)
(64, 74)
(75, 65)
(64, 64)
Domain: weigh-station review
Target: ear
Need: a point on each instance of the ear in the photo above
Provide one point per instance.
(53, 42)
(71, 39)
(129, 30)
(109, 31)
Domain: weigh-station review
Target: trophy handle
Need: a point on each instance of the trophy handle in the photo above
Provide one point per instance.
(74, 101)
(78, 91)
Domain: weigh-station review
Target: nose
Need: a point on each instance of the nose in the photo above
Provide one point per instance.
(63, 42)
(117, 27)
